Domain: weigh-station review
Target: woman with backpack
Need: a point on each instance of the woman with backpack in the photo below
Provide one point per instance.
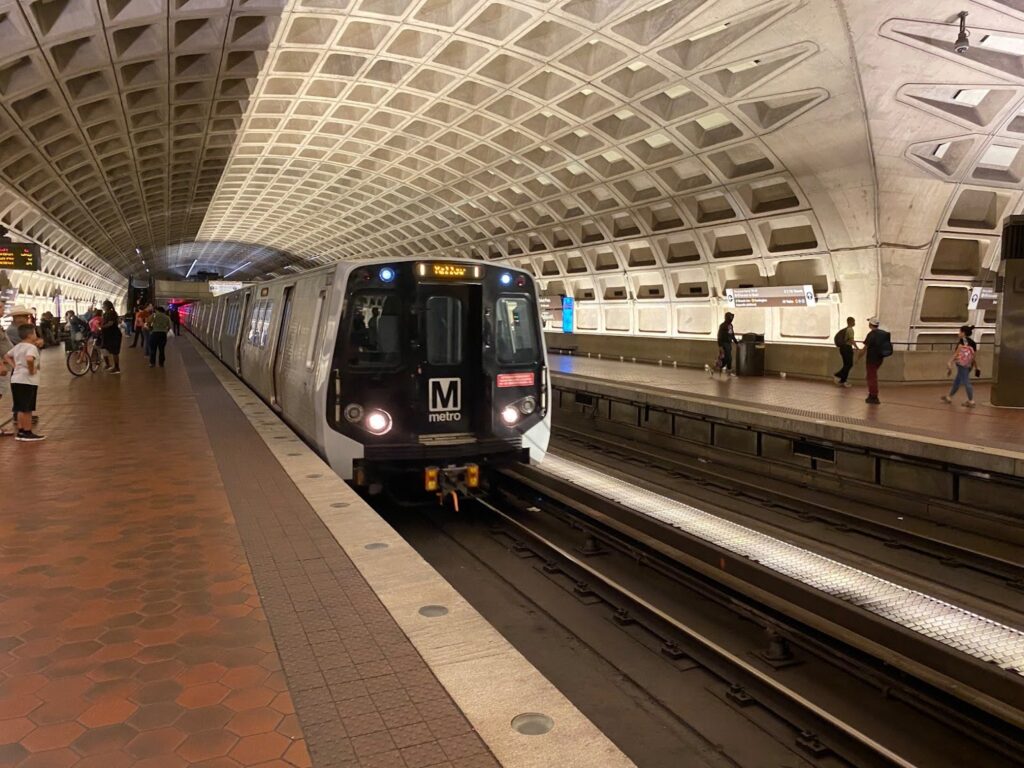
(965, 359)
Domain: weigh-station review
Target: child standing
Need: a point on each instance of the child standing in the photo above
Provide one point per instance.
(25, 382)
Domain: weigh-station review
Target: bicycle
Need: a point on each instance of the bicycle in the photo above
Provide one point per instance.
(84, 357)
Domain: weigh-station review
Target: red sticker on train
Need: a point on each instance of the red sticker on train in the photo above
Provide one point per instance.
(516, 379)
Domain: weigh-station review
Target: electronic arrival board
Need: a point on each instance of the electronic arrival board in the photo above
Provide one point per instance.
(21, 256)
(774, 296)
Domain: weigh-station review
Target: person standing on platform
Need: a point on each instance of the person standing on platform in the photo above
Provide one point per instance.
(140, 323)
(19, 316)
(965, 357)
(844, 339)
(25, 381)
(877, 347)
(110, 331)
(726, 338)
(159, 325)
(175, 320)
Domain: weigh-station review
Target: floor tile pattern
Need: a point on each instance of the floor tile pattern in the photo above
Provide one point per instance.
(131, 631)
(363, 694)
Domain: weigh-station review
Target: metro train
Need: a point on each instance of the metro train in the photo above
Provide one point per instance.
(391, 368)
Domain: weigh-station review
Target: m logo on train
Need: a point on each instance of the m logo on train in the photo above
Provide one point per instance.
(445, 399)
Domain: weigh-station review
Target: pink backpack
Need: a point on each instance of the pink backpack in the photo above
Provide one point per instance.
(965, 356)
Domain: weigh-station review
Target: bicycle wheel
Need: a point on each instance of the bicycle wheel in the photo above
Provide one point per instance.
(94, 360)
(78, 362)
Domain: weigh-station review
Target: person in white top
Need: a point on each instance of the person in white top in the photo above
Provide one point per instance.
(5, 375)
(25, 382)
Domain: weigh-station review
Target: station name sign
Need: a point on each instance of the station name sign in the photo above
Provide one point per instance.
(19, 256)
(220, 287)
(774, 296)
(983, 298)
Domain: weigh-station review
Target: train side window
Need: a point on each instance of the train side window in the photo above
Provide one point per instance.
(374, 330)
(516, 336)
(314, 334)
(444, 330)
(268, 314)
(255, 324)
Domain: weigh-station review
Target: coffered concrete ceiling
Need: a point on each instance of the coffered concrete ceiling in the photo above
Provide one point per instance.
(641, 155)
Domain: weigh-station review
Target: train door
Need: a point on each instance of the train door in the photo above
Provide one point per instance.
(448, 370)
(277, 365)
(246, 301)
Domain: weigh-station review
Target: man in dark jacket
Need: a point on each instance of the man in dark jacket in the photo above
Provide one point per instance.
(726, 338)
(874, 346)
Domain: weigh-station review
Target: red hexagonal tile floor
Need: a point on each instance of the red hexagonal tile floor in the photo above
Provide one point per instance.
(130, 628)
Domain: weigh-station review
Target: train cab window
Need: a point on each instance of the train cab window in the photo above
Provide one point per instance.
(444, 330)
(374, 330)
(516, 336)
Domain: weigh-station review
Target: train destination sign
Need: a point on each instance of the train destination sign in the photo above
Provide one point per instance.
(774, 296)
(443, 270)
(20, 256)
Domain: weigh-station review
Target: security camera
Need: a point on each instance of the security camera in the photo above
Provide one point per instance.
(963, 43)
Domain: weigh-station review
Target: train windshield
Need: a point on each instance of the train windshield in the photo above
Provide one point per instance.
(374, 330)
(516, 335)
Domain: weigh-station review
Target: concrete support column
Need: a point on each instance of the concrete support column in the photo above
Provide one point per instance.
(1008, 389)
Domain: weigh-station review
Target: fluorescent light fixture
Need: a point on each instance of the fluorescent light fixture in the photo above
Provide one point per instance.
(187, 274)
(999, 156)
(137, 250)
(229, 274)
(970, 96)
(1003, 44)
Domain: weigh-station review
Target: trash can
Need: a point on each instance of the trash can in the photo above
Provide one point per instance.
(750, 357)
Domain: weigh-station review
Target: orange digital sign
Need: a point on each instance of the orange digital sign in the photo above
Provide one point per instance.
(20, 256)
(445, 270)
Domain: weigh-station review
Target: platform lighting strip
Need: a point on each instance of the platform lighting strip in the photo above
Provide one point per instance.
(968, 632)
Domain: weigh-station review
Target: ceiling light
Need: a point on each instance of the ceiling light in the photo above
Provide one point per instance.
(229, 274)
(1002, 43)
(970, 96)
(187, 274)
(940, 150)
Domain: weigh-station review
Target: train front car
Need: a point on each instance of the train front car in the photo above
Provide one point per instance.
(439, 371)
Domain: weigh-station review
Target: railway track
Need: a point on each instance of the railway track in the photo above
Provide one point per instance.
(986, 572)
(680, 635)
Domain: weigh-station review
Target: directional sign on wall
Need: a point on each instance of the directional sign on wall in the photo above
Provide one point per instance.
(775, 296)
(20, 256)
(982, 298)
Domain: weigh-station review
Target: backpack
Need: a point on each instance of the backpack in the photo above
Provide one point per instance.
(840, 338)
(965, 356)
(885, 348)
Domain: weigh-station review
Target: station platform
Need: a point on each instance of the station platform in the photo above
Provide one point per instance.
(184, 582)
(911, 421)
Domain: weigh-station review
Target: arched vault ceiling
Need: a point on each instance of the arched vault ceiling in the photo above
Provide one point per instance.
(494, 129)
(622, 149)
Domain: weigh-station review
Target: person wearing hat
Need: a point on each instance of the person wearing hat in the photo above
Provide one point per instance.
(726, 338)
(877, 347)
(19, 316)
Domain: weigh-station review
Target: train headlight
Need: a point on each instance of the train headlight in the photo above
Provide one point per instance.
(510, 415)
(378, 422)
(386, 274)
(353, 413)
(528, 406)
(505, 279)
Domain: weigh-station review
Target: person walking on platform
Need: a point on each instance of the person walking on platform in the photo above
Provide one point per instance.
(877, 347)
(846, 343)
(726, 338)
(175, 320)
(965, 357)
(159, 325)
(110, 333)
